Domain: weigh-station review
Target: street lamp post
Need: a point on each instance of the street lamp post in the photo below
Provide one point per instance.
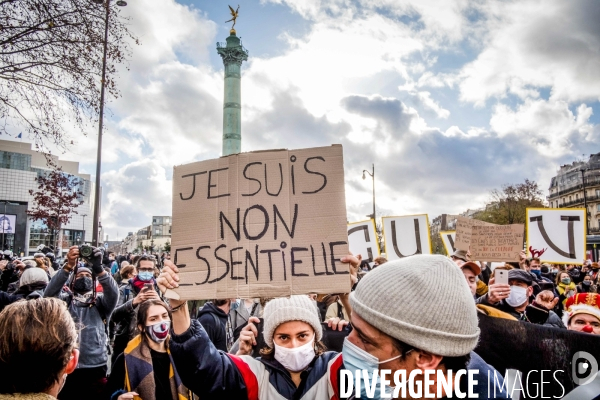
(106, 4)
(372, 174)
(84, 215)
(5, 204)
(587, 225)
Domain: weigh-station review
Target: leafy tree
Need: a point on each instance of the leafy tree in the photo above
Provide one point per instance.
(167, 247)
(56, 199)
(51, 54)
(437, 246)
(508, 205)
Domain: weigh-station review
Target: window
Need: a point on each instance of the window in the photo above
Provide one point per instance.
(597, 192)
(167, 220)
(569, 198)
(158, 231)
(597, 207)
(576, 196)
(154, 220)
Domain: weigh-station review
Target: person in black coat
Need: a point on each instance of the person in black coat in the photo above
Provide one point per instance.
(214, 317)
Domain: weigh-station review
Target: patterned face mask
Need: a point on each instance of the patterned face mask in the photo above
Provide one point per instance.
(159, 331)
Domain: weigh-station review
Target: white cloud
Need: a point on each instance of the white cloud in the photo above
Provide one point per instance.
(132, 194)
(530, 46)
(348, 80)
(546, 125)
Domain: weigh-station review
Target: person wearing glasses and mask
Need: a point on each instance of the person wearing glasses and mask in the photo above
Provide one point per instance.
(436, 330)
(134, 292)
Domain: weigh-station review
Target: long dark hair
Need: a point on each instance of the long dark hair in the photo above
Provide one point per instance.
(142, 315)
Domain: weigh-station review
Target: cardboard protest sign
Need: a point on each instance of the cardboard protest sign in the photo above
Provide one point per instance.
(496, 242)
(261, 224)
(362, 238)
(557, 235)
(463, 231)
(448, 238)
(406, 236)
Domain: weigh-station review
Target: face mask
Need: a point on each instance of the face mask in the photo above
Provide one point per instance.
(517, 296)
(536, 272)
(145, 276)
(159, 331)
(83, 284)
(356, 358)
(296, 359)
(587, 283)
(235, 304)
(565, 281)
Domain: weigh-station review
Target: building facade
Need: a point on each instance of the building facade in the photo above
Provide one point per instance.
(155, 236)
(577, 185)
(19, 167)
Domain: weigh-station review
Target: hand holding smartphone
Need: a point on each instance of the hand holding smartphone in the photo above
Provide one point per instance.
(501, 276)
(147, 286)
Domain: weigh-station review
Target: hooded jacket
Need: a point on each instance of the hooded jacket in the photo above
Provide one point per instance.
(214, 322)
(92, 337)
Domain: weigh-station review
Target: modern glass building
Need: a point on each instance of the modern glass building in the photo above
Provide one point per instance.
(19, 166)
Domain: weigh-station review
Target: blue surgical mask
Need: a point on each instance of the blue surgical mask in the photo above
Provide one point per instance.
(536, 272)
(355, 359)
(145, 276)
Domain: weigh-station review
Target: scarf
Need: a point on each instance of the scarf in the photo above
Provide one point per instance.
(138, 284)
(83, 299)
(139, 374)
(564, 289)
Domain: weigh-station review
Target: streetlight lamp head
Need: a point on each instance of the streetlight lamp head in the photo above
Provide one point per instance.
(121, 3)
(364, 177)
(98, 1)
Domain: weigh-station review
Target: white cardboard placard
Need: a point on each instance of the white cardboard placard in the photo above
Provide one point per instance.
(362, 239)
(557, 235)
(406, 236)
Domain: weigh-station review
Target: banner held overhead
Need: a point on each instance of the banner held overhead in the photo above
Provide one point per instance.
(406, 236)
(261, 224)
(557, 235)
(362, 239)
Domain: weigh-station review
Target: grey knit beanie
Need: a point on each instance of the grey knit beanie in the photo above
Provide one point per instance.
(421, 300)
(33, 275)
(294, 308)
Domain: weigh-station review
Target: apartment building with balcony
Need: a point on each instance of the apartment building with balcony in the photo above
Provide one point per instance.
(577, 185)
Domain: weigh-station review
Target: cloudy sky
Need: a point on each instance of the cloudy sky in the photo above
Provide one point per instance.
(449, 99)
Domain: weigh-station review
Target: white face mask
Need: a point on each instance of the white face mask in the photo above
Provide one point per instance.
(296, 359)
(517, 296)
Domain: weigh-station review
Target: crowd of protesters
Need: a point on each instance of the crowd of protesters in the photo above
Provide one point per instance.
(100, 327)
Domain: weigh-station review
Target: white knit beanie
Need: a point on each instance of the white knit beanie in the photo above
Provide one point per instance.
(32, 275)
(294, 308)
(423, 301)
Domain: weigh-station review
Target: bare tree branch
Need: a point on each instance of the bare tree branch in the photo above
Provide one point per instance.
(50, 64)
